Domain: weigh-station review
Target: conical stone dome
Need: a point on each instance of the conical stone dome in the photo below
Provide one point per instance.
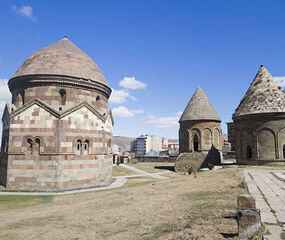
(61, 58)
(199, 108)
(263, 96)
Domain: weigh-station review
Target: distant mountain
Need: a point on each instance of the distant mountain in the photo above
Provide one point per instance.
(123, 142)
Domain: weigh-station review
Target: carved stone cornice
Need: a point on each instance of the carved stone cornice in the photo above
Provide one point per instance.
(61, 80)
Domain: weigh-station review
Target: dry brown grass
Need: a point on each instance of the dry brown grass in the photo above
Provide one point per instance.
(120, 171)
(182, 207)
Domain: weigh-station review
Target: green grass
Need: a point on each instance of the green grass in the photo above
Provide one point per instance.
(161, 229)
(18, 201)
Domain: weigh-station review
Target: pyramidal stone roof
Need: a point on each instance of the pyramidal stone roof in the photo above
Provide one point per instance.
(61, 58)
(199, 108)
(264, 95)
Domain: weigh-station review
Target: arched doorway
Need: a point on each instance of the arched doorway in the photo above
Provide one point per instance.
(248, 152)
(195, 143)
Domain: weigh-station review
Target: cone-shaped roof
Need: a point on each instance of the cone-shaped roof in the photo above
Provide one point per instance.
(61, 58)
(199, 108)
(264, 95)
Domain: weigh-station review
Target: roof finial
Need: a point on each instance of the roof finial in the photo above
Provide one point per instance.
(65, 37)
(261, 65)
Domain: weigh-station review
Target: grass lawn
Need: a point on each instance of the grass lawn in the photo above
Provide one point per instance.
(153, 167)
(181, 207)
(120, 171)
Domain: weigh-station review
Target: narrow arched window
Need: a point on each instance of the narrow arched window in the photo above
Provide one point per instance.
(78, 147)
(97, 98)
(62, 93)
(248, 152)
(195, 143)
(30, 145)
(79, 144)
(37, 149)
(86, 146)
(284, 151)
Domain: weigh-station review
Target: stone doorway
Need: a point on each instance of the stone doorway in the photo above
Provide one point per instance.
(195, 143)
(248, 152)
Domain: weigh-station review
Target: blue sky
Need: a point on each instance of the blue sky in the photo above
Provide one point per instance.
(154, 54)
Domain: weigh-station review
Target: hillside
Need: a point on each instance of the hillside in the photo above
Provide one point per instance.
(123, 142)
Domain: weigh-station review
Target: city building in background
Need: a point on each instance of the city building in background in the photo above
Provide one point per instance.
(165, 143)
(152, 145)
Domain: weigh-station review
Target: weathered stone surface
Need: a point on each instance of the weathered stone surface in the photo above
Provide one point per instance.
(246, 201)
(199, 133)
(57, 133)
(249, 223)
(263, 96)
(199, 108)
(61, 58)
(196, 160)
(259, 122)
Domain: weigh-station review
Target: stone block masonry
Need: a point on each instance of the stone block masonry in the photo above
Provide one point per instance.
(57, 132)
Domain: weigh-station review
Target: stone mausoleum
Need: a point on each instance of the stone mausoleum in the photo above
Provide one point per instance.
(200, 132)
(57, 132)
(259, 122)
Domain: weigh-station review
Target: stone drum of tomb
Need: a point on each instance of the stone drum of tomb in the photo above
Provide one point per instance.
(57, 132)
(259, 122)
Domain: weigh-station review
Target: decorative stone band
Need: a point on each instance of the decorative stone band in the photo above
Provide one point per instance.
(39, 80)
(60, 115)
(260, 116)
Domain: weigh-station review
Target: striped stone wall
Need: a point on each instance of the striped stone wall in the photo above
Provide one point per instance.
(51, 153)
(51, 95)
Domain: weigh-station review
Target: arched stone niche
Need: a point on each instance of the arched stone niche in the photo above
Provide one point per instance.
(266, 144)
(216, 138)
(195, 143)
(248, 144)
(207, 139)
(281, 143)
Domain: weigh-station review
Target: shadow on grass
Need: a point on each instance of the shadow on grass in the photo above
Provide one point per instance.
(231, 217)
(169, 168)
(229, 235)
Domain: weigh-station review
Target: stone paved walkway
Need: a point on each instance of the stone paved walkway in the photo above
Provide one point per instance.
(268, 189)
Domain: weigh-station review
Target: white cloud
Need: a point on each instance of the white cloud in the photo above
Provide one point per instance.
(280, 80)
(25, 11)
(165, 122)
(132, 83)
(122, 111)
(5, 94)
(120, 96)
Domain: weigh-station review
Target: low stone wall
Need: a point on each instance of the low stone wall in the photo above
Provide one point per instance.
(229, 155)
(157, 159)
(197, 160)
